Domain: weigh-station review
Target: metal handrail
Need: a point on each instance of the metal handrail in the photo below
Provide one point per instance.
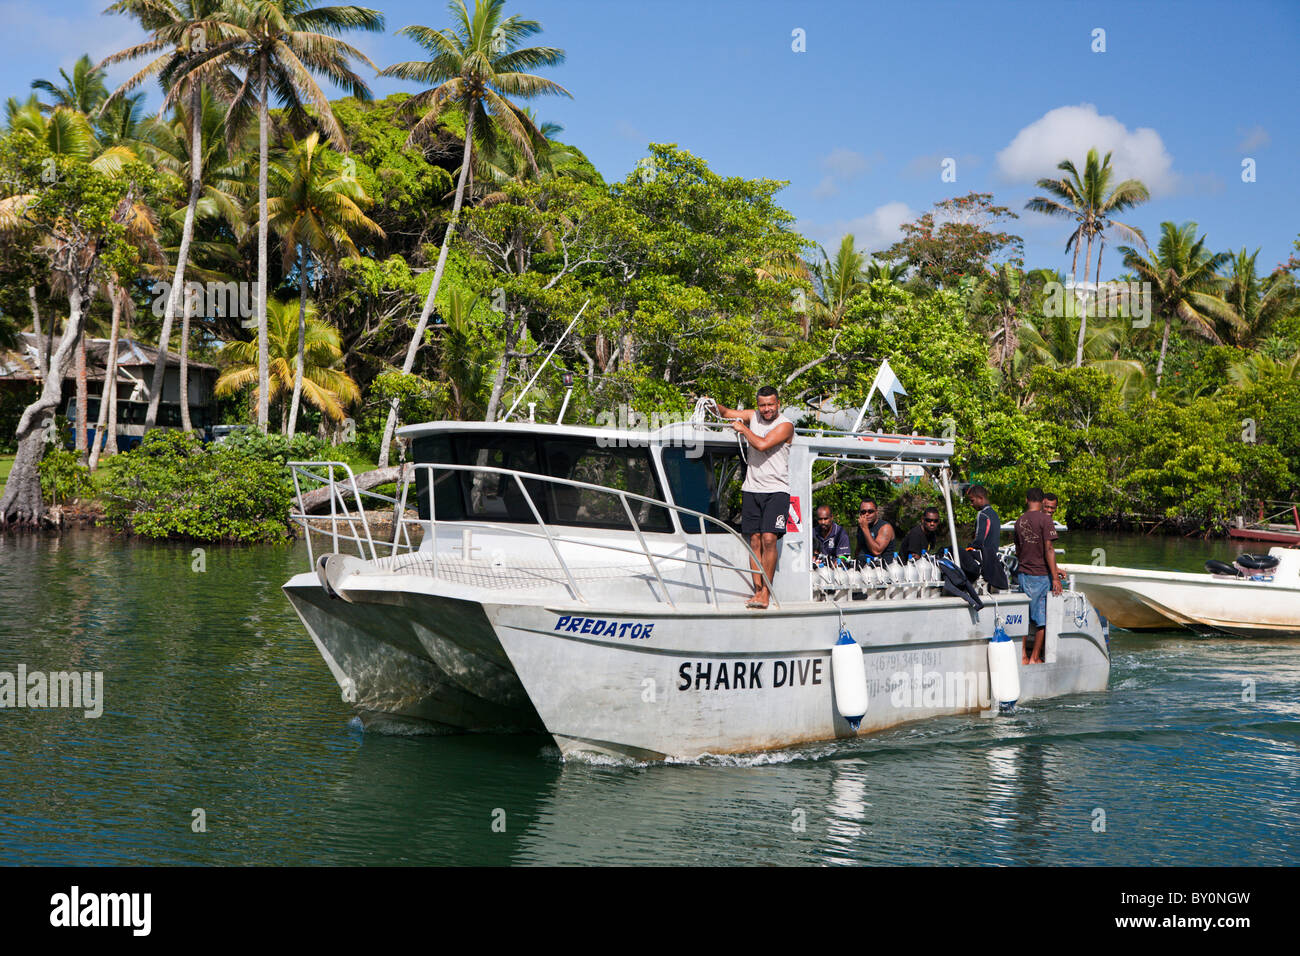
(337, 497)
(624, 495)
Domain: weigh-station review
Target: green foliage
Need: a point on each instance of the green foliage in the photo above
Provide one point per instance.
(172, 487)
(63, 477)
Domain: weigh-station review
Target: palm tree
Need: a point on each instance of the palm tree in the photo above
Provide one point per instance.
(1255, 368)
(841, 279)
(476, 66)
(281, 45)
(1257, 303)
(1183, 283)
(884, 271)
(325, 386)
(82, 92)
(222, 176)
(314, 209)
(1086, 200)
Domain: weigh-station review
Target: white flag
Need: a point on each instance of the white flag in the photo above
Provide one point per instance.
(888, 385)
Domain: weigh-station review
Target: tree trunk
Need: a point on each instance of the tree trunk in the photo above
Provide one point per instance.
(106, 433)
(263, 359)
(1083, 317)
(22, 503)
(42, 349)
(418, 338)
(82, 442)
(1164, 346)
(185, 365)
(514, 332)
(302, 336)
(182, 256)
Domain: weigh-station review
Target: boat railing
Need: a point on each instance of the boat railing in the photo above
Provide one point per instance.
(1276, 515)
(348, 522)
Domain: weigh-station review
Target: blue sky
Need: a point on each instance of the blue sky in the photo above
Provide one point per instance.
(860, 122)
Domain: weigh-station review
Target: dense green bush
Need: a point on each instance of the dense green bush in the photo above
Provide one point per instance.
(172, 487)
(63, 477)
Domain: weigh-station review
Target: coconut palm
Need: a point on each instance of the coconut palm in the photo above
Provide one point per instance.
(1184, 284)
(476, 66)
(314, 208)
(1087, 201)
(1255, 368)
(877, 271)
(180, 31)
(840, 279)
(221, 173)
(1257, 302)
(281, 46)
(325, 386)
(82, 92)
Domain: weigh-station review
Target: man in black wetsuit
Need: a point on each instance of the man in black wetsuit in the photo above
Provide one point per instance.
(988, 534)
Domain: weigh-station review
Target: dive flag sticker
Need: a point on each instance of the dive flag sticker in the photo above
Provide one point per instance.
(793, 518)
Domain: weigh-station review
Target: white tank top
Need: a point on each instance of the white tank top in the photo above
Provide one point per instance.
(769, 470)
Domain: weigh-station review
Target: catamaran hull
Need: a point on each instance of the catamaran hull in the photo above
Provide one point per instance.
(657, 683)
(1161, 600)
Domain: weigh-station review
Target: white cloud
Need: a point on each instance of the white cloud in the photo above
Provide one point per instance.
(1068, 132)
(871, 232)
(842, 166)
(1254, 138)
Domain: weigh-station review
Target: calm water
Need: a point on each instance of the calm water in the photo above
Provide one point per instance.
(216, 699)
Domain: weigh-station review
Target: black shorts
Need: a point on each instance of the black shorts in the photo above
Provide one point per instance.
(763, 513)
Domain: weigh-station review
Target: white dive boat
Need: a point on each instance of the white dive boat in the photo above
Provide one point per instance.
(1257, 596)
(589, 583)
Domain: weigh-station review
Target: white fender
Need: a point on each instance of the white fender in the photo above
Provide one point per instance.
(849, 673)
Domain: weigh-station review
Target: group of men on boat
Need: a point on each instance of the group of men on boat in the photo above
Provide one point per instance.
(765, 503)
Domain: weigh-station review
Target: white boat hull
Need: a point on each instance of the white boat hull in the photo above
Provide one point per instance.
(651, 682)
(1135, 600)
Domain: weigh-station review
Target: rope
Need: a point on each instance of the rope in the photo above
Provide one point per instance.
(705, 406)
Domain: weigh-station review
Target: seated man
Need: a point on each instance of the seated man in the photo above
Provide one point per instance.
(875, 534)
(830, 541)
(923, 538)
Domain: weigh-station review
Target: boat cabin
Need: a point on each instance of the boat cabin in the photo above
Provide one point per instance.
(511, 492)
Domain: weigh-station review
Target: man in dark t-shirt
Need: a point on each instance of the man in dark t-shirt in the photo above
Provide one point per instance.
(1037, 575)
(924, 537)
(830, 541)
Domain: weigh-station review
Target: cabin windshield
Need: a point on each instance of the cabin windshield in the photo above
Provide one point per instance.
(470, 496)
(708, 482)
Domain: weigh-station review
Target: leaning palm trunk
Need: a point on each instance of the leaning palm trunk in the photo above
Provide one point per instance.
(185, 364)
(22, 503)
(263, 356)
(106, 424)
(302, 337)
(182, 257)
(1083, 316)
(420, 326)
(82, 439)
(1164, 347)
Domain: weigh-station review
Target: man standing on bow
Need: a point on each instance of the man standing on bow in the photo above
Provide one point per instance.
(765, 493)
